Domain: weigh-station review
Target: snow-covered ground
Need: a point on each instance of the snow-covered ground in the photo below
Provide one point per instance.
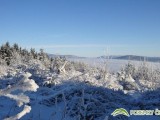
(76, 91)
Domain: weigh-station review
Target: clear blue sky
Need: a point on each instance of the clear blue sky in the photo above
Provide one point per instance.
(83, 27)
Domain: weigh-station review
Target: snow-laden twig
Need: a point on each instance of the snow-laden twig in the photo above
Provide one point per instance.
(26, 110)
(25, 84)
(19, 98)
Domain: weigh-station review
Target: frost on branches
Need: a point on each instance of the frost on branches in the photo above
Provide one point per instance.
(23, 85)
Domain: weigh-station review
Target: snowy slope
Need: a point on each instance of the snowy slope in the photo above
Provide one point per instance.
(80, 92)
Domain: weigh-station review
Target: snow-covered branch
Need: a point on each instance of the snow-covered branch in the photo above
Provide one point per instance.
(26, 110)
(25, 84)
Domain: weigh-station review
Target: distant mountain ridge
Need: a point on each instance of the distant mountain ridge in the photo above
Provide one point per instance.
(134, 57)
(118, 57)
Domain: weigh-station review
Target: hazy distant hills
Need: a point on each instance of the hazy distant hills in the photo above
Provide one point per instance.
(123, 57)
(133, 57)
(139, 58)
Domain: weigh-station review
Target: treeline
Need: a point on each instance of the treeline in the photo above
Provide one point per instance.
(11, 54)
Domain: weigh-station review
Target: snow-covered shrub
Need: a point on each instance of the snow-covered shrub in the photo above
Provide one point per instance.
(141, 77)
(58, 65)
(85, 101)
(16, 58)
(3, 70)
(156, 76)
(129, 85)
(36, 64)
(148, 76)
(103, 75)
(143, 72)
(150, 99)
(129, 70)
(23, 85)
(80, 66)
(127, 76)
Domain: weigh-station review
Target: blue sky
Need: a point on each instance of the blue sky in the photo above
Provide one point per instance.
(83, 27)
